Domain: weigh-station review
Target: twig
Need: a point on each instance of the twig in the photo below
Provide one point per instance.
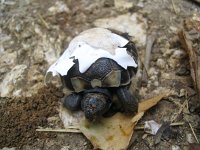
(172, 124)
(193, 132)
(173, 5)
(150, 41)
(180, 110)
(73, 130)
(43, 21)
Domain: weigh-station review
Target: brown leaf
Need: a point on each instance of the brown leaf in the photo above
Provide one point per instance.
(145, 105)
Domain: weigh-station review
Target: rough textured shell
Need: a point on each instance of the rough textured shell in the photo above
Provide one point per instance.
(104, 73)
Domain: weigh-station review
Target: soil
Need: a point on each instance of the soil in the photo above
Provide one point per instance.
(20, 117)
(29, 26)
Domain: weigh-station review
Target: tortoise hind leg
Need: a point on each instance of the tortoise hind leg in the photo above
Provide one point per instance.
(128, 101)
(73, 101)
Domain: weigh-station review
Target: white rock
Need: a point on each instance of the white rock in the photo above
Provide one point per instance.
(123, 4)
(173, 29)
(133, 24)
(8, 58)
(140, 4)
(175, 147)
(166, 75)
(156, 83)
(152, 71)
(161, 63)
(13, 81)
(154, 77)
(1, 48)
(17, 93)
(59, 7)
(47, 48)
(179, 54)
(65, 148)
(38, 54)
(50, 55)
(190, 138)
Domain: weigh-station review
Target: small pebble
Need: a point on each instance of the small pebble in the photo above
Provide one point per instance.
(190, 138)
(179, 54)
(153, 71)
(168, 52)
(161, 63)
(175, 147)
(156, 83)
(173, 63)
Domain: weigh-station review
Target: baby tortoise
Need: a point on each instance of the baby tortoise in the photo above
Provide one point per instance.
(102, 65)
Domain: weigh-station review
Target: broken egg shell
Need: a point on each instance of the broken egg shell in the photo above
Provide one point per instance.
(94, 43)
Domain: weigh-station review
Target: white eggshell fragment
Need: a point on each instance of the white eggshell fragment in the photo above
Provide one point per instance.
(91, 45)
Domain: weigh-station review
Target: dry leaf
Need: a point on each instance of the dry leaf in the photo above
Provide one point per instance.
(110, 133)
(137, 117)
(69, 118)
(145, 105)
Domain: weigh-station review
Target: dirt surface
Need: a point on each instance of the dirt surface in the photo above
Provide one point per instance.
(20, 117)
(35, 33)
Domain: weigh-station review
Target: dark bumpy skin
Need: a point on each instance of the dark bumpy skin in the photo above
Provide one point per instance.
(97, 102)
(129, 102)
(73, 101)
(94, 102)
(95, 105)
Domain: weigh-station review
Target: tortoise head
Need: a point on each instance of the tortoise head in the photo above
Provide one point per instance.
(95, 105)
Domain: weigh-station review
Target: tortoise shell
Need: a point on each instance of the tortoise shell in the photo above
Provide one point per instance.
(104, 72)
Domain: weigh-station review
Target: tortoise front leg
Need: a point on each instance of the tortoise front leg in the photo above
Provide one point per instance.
(73, 101)
(128, 101)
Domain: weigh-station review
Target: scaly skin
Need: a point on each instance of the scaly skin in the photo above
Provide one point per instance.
(129, 102)
(94, 102)
(95, 105)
